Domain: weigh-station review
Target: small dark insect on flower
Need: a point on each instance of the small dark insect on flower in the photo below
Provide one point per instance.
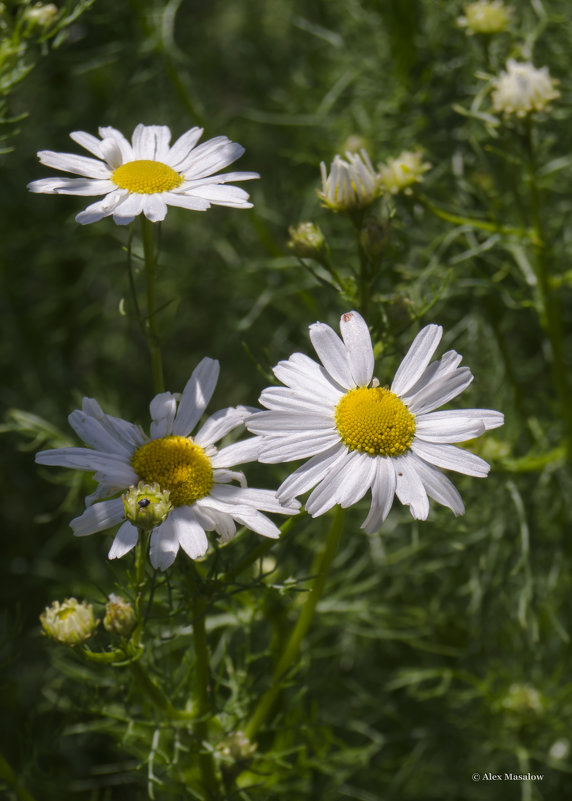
(144, 502)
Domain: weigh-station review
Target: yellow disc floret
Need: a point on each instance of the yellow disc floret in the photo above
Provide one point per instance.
(177, 464)
(374, 421)
(146, 177)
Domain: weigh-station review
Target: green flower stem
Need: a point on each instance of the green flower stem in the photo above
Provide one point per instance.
(155, 694)
(140, 583)
(259, 551)
(151, 329)
(203, 706)
(301, 628)
(550, 309)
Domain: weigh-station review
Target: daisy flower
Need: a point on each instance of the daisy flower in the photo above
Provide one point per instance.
(362, 436)
(147, 175)
(196, 475)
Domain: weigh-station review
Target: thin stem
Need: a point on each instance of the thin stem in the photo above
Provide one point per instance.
(203, 706)
(155, 694)
(152, 331)
(301, 628)
(549, 303)
(140, 583)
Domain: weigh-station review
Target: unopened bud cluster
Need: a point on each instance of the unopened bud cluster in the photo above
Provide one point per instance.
(400, 174)
(70, 622)
(41, 15)
(522, 89)
(146, 505)
(237, 746)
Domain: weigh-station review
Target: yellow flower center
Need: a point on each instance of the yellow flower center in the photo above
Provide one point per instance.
(177, 464)
(374, 421)
(145, 177)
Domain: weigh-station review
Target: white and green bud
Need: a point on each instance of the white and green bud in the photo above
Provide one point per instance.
(70, 622)
(352, 184)
(485, 17)
(400, 174)
(306, 240)
(523, 699)
(41, 15)
(119, 616)
(237, 746)
(146, 505)
(522, 89)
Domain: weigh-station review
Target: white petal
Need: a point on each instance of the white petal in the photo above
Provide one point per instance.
(86, 459)
(192, 537)
(440, 391)
(382, 494)
(98, 517)
(307, 378)
(154, 208)
(83, 187)
(210, 157)
(88, 141)
(94, 434)
(164, 544)
(197, 393)
(162, 408)
(286, 399)
(296, 446)
(488, 417)
(221, 195)
(121, 141)
(325, 495)
(125, 540)
(257, 522)
(247, 450)
(182, 147)
(69, 162)
(186, 202)
(452, 429)
(332, 353)
(112, 153)
(128, 208)
(151, 142)
(310, 473)
(450, 457)
(103, 208)
(359, 472)
(128, 433)
(221, 423)
(279, 422)
(417, 358)
(357, 340)
(409, 487)
(438, 486)
(226, 476)
(264, 500)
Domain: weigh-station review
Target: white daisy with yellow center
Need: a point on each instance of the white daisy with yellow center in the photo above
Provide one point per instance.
(196, 476)
(352, 183)
(146, 175)
(523, 89)
(361, 436)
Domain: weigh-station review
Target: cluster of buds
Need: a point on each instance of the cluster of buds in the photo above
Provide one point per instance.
(485, 17)
(237, 746)
(522, 89)
(70, 622)
(146, 505)
(41, 15)
(306, 240)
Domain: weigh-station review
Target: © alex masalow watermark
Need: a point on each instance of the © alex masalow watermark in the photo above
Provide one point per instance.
(508, 777)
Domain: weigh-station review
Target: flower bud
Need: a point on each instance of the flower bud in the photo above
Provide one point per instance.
(70, 622)
(306, 240)
(41, 15)
(237, 746)
(522, 89)
(400, 174)
(352, 184)
(523, 699)
(119, 616)
(146, 505)
(485, 16)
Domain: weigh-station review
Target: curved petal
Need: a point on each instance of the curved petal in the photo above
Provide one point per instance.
(88, 141)
(196, 395)
(221, 423)
(79, 165)
(125, 540)
(182, 147)
(382, 494)
(417, 358)
(438, 486)
(409, 487)
(98, 517)
(103, 208)
(128, 208)
(154, 208)
(449, 457)
(112, 133)
(247, 450)
(82, 187)
(163, 408)
(191, 534)
(94, 434)
(332, 353)
(357, 340)
(164, 544)
(310, 473)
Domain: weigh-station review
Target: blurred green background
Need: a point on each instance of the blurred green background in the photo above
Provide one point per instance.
(440, 649)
